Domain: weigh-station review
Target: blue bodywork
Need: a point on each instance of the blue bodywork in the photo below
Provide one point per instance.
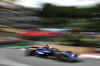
(48, 51)
(68, 54)
(43, 51)
(71, 55)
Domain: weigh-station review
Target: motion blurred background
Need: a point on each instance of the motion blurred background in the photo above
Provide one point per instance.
(68, 23)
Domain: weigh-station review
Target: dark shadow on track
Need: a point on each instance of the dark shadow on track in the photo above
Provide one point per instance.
(58, 60)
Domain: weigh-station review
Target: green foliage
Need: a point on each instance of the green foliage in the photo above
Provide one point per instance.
(50, 10)
(58, 11)
(56, 15)
(54, 22)
(73, 40)
(88, 30)
(76, 40)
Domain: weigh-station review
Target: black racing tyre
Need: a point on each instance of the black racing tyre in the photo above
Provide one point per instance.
(60, 56)
(29, 52)
(65, 58)
(68, 59)
(57, 54)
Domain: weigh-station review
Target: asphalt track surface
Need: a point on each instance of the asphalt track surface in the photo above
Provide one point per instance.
(15, 57)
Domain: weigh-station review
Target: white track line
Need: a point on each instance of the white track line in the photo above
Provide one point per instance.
(89, 56)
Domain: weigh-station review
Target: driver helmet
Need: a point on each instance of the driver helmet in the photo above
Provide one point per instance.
(68, 51)
(47, 46)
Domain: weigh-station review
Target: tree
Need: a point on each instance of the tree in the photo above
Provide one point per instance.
(58, 11)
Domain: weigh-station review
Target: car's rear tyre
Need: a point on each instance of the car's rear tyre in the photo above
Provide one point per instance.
(29, 52)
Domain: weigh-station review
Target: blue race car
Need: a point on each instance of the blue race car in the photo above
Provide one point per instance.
(52, 52)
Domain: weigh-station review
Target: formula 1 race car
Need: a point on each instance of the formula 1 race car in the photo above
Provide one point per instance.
(52, 52)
